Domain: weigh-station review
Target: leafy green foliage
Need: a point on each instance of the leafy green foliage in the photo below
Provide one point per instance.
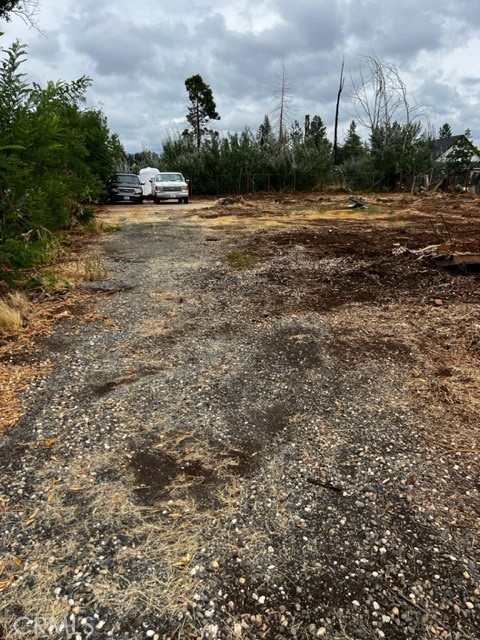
(249, 162)
(54, 158)
(6, 8)
(16, 253)
(26, 9)
(142, 159)
(398, 150)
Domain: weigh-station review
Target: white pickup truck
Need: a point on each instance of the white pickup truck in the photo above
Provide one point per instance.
(169, 186)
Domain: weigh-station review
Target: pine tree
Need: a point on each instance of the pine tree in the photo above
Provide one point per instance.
(445, 131)
(202, 108)
(265, 133)
(296, 134)
(317, 133)
(353, 148)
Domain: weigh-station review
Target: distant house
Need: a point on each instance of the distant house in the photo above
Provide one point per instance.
(443, 147)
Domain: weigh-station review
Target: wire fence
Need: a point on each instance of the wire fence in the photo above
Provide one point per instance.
(251, 183)
(336, 179)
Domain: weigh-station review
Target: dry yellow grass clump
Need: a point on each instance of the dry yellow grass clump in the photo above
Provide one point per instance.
(14, 310)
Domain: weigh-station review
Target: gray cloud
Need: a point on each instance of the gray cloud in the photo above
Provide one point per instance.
(139, 57)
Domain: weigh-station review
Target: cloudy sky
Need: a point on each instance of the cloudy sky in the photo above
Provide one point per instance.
(139, 54)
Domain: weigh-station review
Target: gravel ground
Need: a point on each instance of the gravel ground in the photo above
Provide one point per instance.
(210, 457)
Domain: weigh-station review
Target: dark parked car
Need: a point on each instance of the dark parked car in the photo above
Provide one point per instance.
(125, 187)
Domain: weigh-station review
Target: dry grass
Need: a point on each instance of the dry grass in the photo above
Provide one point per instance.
(10, 318)
(165, 541)
(33, 578)
(21, 321)
(88, 267)
(15, 309)
(16, 319)
(93, 267)
(445, 342)
(38, 600)
(19, 340)
(164, 546)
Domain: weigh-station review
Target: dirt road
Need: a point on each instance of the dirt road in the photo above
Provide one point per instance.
(263, 422)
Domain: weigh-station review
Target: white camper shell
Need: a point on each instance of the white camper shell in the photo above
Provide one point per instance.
(146, 176)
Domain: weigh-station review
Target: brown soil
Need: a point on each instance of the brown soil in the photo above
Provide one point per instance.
(356, 248)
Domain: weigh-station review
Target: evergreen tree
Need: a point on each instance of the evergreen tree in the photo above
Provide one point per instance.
(296, 134)
(352, 148)
(399, 150)
(317, 133)
(445, 131)
(265, 133)
(142, 159)
(201, 110)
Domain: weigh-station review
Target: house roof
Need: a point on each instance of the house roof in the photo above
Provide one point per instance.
(442, 145)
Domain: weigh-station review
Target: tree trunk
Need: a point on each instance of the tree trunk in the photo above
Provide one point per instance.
(335, 140)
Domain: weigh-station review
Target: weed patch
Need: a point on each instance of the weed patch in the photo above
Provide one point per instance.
(241, 260)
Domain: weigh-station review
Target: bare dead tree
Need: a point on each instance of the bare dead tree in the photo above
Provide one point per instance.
(307, 125)
(284, 98)
(380, 95)
(337, 108)
(27, 10)
(397, 133)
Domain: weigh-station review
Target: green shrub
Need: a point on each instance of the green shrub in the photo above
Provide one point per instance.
(18, 254)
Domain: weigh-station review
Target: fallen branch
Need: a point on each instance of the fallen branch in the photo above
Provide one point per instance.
(452, 447)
